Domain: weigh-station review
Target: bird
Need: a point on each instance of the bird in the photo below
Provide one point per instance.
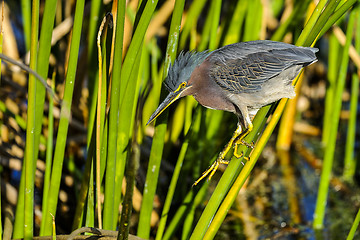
(240, 78)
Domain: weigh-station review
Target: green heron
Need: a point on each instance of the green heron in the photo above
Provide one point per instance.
(239, 78)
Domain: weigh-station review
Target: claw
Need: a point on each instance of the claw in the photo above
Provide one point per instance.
(236, 152)
(211, 170)
(249, 145)
(240, 138)
(213, 167)
(236, 139)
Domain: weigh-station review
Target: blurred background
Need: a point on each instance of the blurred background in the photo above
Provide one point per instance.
(81, 154)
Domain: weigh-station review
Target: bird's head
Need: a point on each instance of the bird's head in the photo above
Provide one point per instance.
(177, 81)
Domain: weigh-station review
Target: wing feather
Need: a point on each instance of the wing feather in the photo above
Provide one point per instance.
(249, 72)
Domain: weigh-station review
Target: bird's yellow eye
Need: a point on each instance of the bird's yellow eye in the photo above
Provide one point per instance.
(182, 85)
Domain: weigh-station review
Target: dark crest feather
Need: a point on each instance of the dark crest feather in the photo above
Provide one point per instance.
(182, 68)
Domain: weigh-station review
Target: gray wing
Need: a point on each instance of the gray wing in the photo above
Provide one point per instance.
(248, 72)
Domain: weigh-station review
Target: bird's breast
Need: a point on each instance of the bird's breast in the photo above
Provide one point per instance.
(206, 91)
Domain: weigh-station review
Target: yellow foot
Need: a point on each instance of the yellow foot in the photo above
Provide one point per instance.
(237, 138)
(211, 170)
(249, 145)
(236, 154)
(240, 138)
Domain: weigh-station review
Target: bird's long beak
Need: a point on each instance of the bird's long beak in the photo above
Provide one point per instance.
(172, 97)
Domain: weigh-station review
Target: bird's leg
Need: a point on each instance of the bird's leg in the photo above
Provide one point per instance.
(228, 146)
(220, 160)
(240, 138)
(237, 155)
(211, 170)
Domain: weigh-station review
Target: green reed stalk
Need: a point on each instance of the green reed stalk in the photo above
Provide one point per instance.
(194, 130)
(30, 155)
(312, 20)
(43, 68)
(154, 94)
(26, 18)
(95, 10)
(109, 208)
(192, 17)
(323, 18)
(354, 226)
(236, 24)
(89, 212)
(335, 16)
(330, 148)
(85, 185)
(299, 11)
(253, 21)
(100, 113)
(49, 146)
(129, 91)
(131, 170)
(64, 117)
(19, 214)
(47, 27)
(350, 159)
(160, 130)
(214, 23)
(205, 34)
(333, 61)
(191, 200)
(175, 177)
